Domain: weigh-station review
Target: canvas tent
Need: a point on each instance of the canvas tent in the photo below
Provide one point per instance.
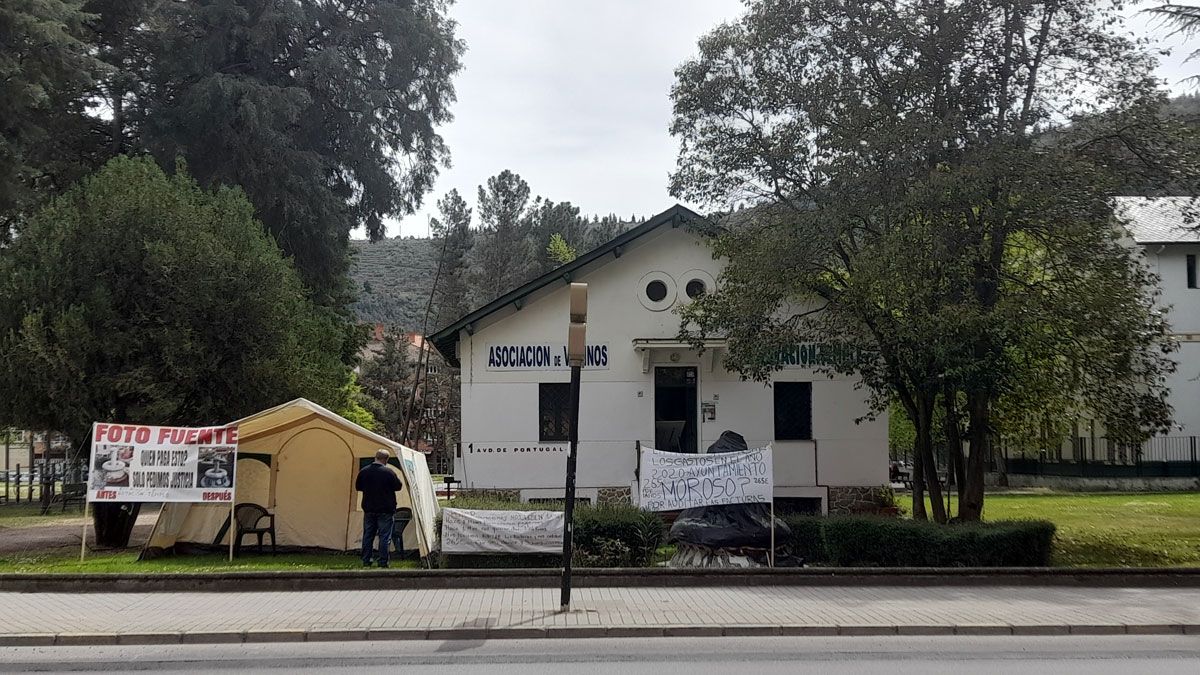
(299, 460)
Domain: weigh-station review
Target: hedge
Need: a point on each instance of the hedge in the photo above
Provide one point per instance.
(605, 536)
(864, 541)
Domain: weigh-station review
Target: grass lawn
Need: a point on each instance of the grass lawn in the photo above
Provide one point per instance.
(67, 561)
(29, 514)
(1109, 529)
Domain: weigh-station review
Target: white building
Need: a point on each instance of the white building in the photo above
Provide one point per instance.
(1172, 245)
(642, 386)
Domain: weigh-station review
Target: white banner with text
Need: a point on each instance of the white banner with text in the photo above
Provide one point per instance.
(479, 531)
(672, 481)
(140, 463)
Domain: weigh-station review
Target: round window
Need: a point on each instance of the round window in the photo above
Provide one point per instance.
(695, 288)
(656, 290)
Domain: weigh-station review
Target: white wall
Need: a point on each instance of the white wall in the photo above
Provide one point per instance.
(1170, 263)
(500, 447)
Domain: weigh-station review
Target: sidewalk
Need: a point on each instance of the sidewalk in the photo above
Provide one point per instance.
(140, 618)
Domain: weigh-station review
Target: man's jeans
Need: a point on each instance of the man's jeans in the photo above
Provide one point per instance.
(377, 525)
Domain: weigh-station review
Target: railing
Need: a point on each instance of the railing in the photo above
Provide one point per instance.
(1085, 457)
(40, 481)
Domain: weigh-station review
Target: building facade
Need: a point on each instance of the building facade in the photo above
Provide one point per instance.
(643, 387)
(1171, 245)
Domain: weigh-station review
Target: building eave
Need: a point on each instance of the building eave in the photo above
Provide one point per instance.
(446, 339)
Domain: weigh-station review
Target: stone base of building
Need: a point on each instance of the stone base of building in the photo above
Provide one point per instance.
(498, 494)
(857, 500)
(843, 500)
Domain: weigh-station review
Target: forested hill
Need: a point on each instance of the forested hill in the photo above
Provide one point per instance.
(393, 278)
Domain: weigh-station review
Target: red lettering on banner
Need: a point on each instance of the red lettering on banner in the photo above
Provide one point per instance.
(191, 436)
(106, 494)
(231, 435)
(216, 496)
(177, 435)
(100, 427)
(142, 434)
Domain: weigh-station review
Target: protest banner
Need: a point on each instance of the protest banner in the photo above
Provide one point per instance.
(672, 481)
(480, 531)
(140, 463)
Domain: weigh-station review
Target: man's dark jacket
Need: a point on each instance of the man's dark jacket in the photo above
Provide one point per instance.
(378, 485)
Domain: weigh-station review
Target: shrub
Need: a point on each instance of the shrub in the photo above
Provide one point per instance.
(890, 542)
(605, 536)
(807, 542)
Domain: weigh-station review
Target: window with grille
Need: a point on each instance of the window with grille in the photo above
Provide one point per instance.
(554, 416)
(793, 411)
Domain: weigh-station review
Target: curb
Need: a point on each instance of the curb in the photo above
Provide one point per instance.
(579, 632)
(346, 580)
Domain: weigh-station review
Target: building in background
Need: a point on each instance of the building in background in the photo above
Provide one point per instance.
(644, 387)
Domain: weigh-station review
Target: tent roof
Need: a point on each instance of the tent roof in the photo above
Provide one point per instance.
(297, 411)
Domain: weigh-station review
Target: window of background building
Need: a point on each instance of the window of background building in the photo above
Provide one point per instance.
(554, 416)
(1191, 270)
(793, 411)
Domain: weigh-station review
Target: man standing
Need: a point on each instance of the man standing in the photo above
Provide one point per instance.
(378, 485)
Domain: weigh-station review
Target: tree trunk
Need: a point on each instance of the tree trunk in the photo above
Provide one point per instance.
(954, 441)
(918, 486)
(114, 523)
(971, 495)
(927, 462)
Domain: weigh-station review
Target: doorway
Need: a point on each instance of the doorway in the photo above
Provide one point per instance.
(675, 409)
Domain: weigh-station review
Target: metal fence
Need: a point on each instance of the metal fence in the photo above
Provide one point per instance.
(1086, 457)
(1158, 457)
(43, 481)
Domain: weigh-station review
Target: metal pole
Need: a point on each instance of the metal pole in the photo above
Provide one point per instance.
(771, 558)
(569, 510)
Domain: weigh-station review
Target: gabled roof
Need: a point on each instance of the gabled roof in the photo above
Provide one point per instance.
(1161, 220)
(446, 339)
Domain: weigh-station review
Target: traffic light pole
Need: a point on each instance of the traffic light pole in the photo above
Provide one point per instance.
(576, 351)
(569, 509)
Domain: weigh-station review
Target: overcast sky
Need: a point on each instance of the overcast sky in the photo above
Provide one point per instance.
(574, 96)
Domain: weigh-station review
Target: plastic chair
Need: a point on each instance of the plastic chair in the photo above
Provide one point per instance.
(248, 517)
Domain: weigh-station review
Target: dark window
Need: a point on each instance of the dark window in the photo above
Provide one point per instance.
(554, 416)
(1191, 271)
(695, 288)
(793, 411)
(656, 290)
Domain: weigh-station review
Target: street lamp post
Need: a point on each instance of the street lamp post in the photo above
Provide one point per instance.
(576, 352)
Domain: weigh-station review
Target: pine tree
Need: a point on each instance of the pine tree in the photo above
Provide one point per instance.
(453, 241)
(502, 258)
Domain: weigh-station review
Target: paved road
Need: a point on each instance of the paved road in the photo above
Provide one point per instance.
(257, 615)
(1162, 655)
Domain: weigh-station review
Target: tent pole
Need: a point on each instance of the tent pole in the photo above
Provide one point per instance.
(771, 559)
(232, 526)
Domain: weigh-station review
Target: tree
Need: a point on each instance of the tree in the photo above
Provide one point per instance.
(1184, 19)
(548, 220)
(356, 405)
(559, 251)
(325, 114)
(387, 378)
(142, 298)
(453, 227)
(44, 65)
(911, 205)
(502, 258)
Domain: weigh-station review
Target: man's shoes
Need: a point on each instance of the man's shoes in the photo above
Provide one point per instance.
(383, 566)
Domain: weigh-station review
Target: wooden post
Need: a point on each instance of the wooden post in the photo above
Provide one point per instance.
(83, 539)
(19, 482)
